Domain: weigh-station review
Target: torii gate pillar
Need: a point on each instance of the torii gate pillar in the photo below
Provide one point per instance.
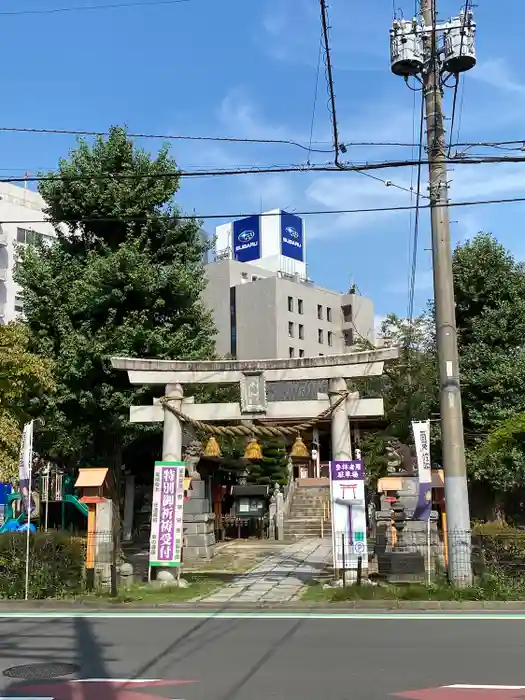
(172, 432)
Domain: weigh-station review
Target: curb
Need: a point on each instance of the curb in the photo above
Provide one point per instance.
(337, 607)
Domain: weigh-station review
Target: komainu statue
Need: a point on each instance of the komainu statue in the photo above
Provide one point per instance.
(192, 456)
(400, 457)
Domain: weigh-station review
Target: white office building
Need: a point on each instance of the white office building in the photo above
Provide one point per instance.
(21, 223)
(263, 302)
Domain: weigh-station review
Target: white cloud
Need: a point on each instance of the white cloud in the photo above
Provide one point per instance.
(242, 116)
(498, 74)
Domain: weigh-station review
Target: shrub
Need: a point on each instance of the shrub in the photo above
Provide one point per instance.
(56, 565)
(499, 548)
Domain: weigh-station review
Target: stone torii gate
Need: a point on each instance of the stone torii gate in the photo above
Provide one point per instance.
(252, 376)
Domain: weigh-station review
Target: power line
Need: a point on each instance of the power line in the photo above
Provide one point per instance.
(232, 139)
(81, 8)
(319, 53)
(416, 216)
(243, 215)
(349, 167)
(329, 79)
(172, 137)
(458, 77)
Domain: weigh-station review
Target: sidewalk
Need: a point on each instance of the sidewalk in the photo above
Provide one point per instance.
(280, 578)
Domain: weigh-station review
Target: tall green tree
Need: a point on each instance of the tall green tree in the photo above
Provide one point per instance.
(124, 277)
(489, 285)
(25, 379)
(408, 387)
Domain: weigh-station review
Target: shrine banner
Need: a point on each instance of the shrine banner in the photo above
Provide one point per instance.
(166, 514)
(421, 430)
(347, 491)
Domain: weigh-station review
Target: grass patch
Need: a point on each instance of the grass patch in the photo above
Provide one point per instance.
(154, 595)
(491, 587)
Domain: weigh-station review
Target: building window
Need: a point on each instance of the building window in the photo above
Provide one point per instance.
(301, 353)
(291, 352)
(349, 337)
(28, 237)
(321, 354)
(301, 331)
(300, 308)
(19, 304)
(320, 335)
(329, 337)
(319, 312)
(244, 277)
(329, 314)
(255, 278)
(290, 304)
(347, 313)
(290, 329)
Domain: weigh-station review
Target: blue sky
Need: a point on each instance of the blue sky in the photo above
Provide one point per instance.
(247, 68)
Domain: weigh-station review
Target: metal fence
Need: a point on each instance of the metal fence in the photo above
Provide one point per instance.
(234, 527)
(422, 555)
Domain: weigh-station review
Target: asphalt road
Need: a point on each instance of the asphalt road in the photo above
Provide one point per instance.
(262, 659)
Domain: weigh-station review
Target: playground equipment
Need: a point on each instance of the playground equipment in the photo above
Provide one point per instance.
(14, 522)
(54, 488)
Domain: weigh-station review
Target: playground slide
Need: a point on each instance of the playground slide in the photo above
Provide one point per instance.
(82, 507)
(12, 523)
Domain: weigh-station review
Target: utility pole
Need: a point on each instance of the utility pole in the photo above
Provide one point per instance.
(429, 58)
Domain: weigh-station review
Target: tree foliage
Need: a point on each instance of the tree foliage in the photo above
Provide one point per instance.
(490, 312)
(273, 467)
(408, 387)
(124, 277)
(25, 379)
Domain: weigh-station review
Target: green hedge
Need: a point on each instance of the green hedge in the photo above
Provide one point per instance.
(500, 548)
(56, 565)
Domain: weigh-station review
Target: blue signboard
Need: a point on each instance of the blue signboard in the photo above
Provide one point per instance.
(292, 241)
(247, 239)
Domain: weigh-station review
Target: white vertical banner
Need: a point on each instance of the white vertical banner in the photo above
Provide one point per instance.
(421, 430)
(25, 478)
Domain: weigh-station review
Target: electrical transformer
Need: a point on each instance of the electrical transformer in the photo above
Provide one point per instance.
(406, 48)
(460, 47)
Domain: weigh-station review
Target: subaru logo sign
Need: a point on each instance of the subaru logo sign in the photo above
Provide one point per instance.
(246, 236)
(292, 232)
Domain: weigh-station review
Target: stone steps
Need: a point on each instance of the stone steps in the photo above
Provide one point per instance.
(306, 512)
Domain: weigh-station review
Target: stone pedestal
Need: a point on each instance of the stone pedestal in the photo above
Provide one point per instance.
(198, 524)
(104, 545)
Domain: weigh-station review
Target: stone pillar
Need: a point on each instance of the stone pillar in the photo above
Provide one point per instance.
(129, 506)
(279, 514)
(104, 544)
(315, 439)
(341, 440)
(172, 434)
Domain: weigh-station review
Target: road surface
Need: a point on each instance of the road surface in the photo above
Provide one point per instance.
(264, 659)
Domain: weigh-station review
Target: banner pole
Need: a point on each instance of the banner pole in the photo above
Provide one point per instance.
(29, 455)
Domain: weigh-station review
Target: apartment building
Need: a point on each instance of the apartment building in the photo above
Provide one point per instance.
(263, 302)
(21, 224)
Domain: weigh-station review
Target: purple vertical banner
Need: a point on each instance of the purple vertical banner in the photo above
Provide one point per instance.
(347, 493)
(167, 514)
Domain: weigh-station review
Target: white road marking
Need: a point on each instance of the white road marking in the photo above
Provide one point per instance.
(466, 686)
(113, 680)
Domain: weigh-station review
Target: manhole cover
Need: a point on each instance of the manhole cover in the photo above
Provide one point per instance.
(41, 671)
